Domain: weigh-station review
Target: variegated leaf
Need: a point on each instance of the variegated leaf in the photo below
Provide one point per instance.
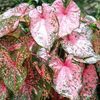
(68, 17)
(12, 75)
(20, 10)
(89, 19)
(22, 54)
(44, 25)
(85, 29)
(29, 41)
(89, 82)
(43, 53)
(92, 60)
(78, 45)
(67, 78)
(8, 25)
(38, 79)
(28, 86)
(10, 43)
(3, 91)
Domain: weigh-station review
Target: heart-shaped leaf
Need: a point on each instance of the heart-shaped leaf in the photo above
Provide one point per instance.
(78, 45)
(12, 74)
(44, 25)
(67, 78)
(68, 17)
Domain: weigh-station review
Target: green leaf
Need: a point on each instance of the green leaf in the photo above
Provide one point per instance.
(12, 75)
(98, 70)
(22, 54)
(48, 1)
(25, 25)
(39, 95)
(8, 25)
(13, 78)
(66, 2)
(10, 43)
(93, 26)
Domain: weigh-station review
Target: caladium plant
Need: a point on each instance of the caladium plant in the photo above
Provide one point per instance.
(67, 77)
(68, 17)
(89, 84)
(20, 10)
(46, 49)
(71, 44)
(3, 90)
(44, 25)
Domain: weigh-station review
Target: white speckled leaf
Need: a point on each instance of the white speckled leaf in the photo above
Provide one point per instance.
(92, 60)
(84, 29)
(89, 82)
(81, 47)
(8, 25)
(68, 17)
(67, 78)
(20, 10)
(43, 53)
(89, 19)
(9, 20)
(44, 25)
